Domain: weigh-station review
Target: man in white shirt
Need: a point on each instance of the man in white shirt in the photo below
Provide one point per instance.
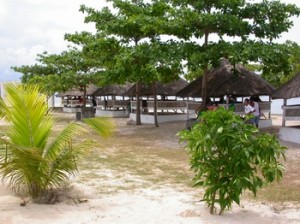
(248, 108)
(248, 111)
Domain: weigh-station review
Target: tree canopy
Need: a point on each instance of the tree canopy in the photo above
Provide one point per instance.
(148, 41)
(135, 28)
(239, 30)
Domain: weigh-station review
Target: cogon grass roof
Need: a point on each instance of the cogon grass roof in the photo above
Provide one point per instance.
(113, 90)
(290, 89)
(162, 89)
(229, 80)
(90, 90)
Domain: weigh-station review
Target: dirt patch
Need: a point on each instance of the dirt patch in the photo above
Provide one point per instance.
(142, 175)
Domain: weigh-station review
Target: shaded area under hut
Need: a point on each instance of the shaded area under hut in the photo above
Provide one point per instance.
(231, 83)
(73, 100)
(168, 106)
(289, 90)
(112, 101)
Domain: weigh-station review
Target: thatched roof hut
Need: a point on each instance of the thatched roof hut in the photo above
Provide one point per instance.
(113, 90)
(290, 89)
(229, 80)
(90, 90)
(162, 89)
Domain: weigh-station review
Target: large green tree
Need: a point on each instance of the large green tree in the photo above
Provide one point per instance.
(288, 57)
(130, 43)
(242, 31)
(77, 70)
(142, 56)
(61, 72)
(44, 75)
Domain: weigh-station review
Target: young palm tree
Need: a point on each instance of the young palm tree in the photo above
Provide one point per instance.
(29, 161)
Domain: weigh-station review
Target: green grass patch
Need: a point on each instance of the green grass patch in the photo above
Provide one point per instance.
(134, 158)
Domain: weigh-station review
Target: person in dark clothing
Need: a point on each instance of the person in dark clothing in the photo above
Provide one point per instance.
(94, 103)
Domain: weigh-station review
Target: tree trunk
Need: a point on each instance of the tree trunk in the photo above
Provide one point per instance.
(138, 105)
(83, 112)
(155, 103)
(204, 79)
(84, 96)
(212, 206)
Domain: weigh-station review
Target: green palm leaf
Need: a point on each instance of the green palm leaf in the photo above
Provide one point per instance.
(102, 126)
(28, 160)
(27, 112)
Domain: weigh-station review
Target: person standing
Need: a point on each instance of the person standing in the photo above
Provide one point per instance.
(248, 110)
(94, 104)
(231, 103)
(256, 112)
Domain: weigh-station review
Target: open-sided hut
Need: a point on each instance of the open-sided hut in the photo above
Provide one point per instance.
(168, 107)
(162, 89)
(291, 89)
(111, 100)
(73, 98)
(229, 80)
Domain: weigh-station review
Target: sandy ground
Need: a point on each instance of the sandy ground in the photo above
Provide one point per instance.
(148, 205)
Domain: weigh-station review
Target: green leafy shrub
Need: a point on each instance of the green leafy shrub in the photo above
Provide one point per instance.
(229, 156)
(30, 160)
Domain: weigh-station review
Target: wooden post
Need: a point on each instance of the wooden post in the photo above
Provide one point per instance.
(283, 112)
(269, 114)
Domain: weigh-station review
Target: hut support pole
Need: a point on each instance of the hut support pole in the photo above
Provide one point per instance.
(187, 109)
(227, 101)
(155, 104)
(283, 113)
(270, 101)
(204, 78)
(138, 105)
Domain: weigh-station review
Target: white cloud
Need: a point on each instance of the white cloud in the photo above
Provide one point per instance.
(29, 27)
(293, 33)
(2, 11)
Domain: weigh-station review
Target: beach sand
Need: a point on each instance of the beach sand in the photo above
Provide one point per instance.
(164, 204)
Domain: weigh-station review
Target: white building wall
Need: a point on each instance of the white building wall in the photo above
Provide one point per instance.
(53, 101)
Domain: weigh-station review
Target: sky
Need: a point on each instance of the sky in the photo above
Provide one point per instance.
(30, 27)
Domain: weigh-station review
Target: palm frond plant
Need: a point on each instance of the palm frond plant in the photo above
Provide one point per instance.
(31, 160)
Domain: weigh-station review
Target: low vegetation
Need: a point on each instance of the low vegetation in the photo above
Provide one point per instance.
(141, 157)
(229, 157)
(32, 159)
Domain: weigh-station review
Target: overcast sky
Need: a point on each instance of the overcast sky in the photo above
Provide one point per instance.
(29, 27)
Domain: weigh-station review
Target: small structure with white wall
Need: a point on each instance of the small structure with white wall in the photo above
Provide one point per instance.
(72, 100)
(289, 90)
(167, 110)
(112, 101)
(233, 81)
(168, 106)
